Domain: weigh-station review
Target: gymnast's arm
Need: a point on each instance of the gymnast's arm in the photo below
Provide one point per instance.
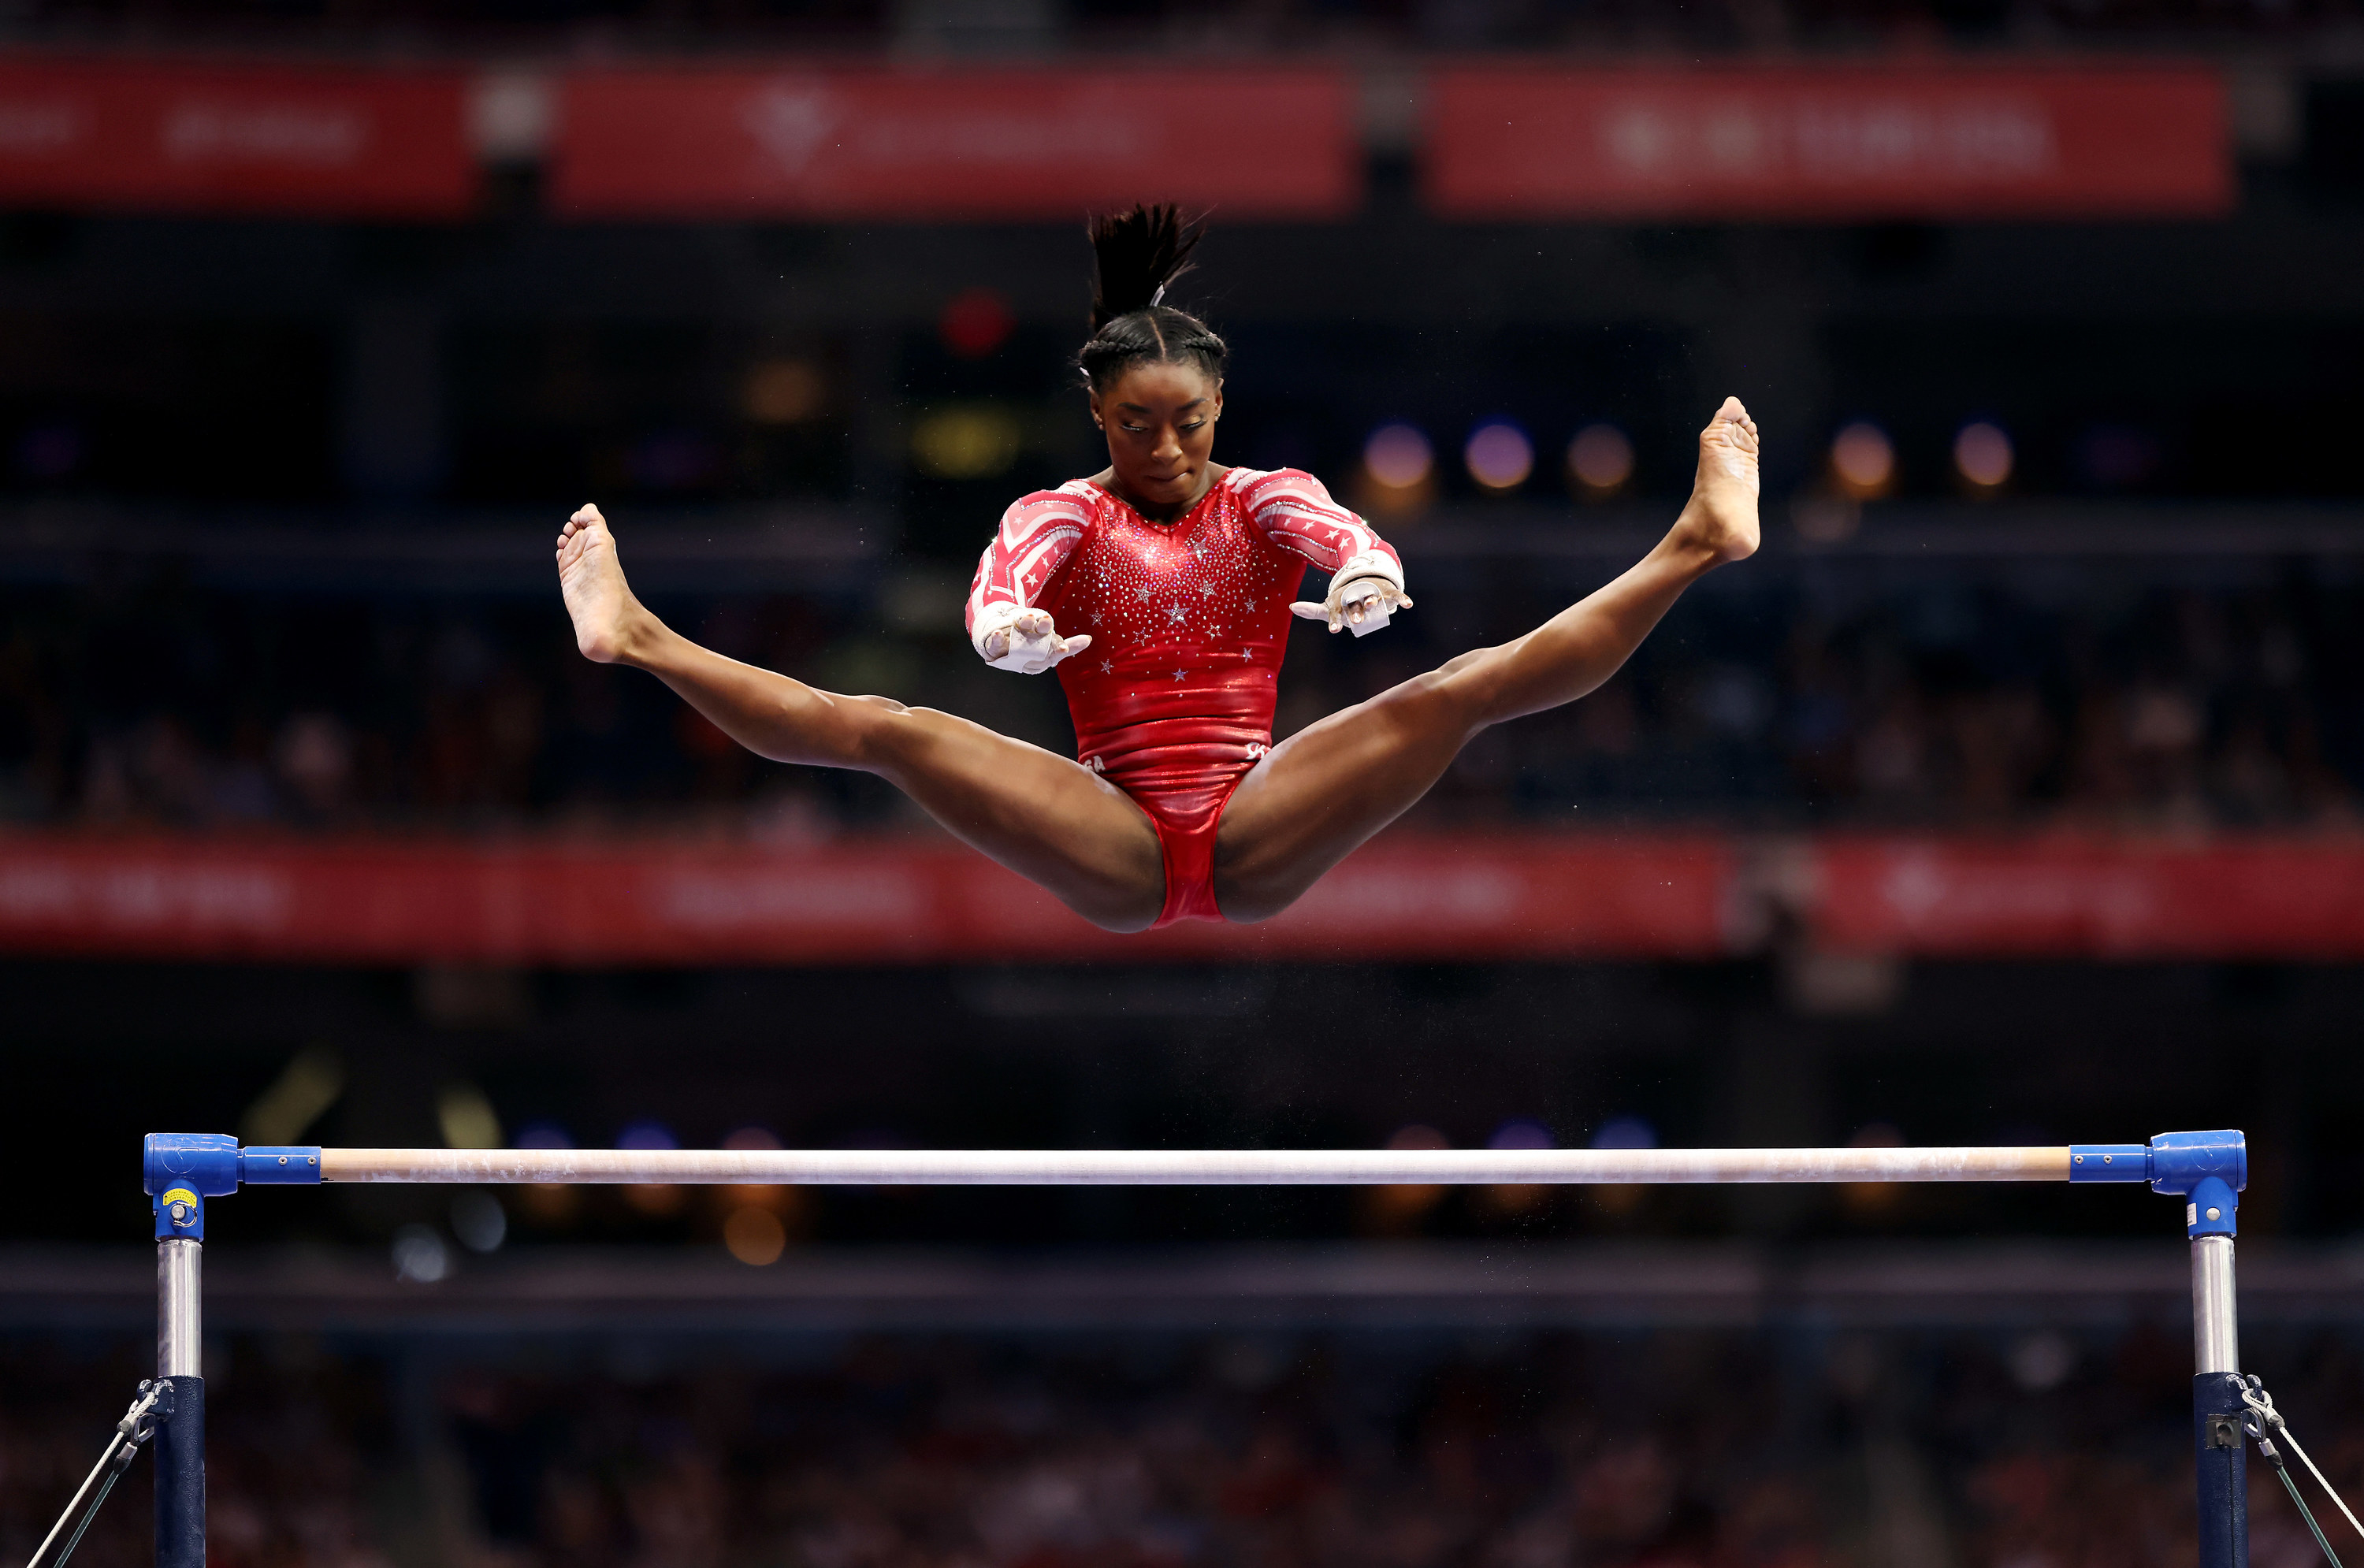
(1037, 534)
(1366, 576)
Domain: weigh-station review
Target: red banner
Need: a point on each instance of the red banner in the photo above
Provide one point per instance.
(327, 142)
(1479, 898)
(954, 144)
(1837, 142)
(2090, 898)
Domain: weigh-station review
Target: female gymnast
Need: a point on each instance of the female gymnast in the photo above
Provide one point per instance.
(1160, 588)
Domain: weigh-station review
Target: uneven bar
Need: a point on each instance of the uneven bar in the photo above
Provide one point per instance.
(1195, 1167)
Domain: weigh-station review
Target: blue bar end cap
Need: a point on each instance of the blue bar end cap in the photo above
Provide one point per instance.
(2209, 1171)
(205, 1162)
(2179, 1162)
(2109, 1162)
(269, 1165)
(211, 1164)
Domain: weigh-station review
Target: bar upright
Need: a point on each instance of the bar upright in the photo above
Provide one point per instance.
(180, 1351)
(2208, 1171)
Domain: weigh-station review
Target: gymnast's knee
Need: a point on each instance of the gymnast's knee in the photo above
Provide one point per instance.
(1243, 907)
(873, 734)
(1447, 703)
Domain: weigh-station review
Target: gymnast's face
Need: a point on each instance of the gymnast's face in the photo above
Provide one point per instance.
(1160, 424)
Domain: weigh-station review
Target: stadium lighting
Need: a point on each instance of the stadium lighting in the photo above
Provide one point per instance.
(1863, 460)
(1398, 457)
(1600, 459)
(1983, 455)
(1500, 455)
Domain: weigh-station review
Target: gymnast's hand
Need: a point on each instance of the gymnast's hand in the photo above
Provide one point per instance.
(1029, 644)
(1355, 602)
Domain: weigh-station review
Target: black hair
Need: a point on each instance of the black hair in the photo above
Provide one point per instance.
(1136, 255)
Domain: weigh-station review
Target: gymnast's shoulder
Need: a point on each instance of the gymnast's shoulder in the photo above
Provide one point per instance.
(1073, 502)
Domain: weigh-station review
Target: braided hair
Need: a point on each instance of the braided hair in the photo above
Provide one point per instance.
(1137, 255)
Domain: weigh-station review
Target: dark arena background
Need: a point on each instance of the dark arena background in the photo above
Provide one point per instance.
(2013, 794)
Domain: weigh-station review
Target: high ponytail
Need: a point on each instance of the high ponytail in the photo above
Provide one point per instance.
(1136, 256)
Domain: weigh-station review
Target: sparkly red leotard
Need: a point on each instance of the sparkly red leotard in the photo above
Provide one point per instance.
(1173, 701)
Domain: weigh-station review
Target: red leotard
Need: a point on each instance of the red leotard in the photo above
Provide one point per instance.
(1173, 701)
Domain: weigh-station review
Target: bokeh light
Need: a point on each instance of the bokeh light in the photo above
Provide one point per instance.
(548, 1203)
(975, 322)
(655, 1198)
(754, 1236)
(1398, 457)
(1863, 460)
(1600, 459)
(784, 392)
(1504, 1199)
(421, 1256)
(1397, 1208)
(1521, 1134)
(1500, 455)
(1619, 1200)
(974, 440)
(479, 1221)
(1983, 455)
(1872, 1200)
(1625, 1132)
(466, 1118)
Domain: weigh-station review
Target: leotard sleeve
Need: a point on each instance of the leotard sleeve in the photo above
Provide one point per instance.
(1037, 534)
(1298, 514)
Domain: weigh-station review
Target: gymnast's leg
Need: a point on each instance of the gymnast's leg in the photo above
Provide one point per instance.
(1325, 790)
(1043, 816)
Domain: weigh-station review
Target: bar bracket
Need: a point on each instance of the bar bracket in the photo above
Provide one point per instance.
(2209, 1171)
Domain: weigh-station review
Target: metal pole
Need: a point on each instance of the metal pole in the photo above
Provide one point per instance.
(2216, 1312)
(181, 1441)
(180, 1308)
(2220, 1452)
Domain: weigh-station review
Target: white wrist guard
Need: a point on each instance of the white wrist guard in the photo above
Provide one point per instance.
(1370, 563)
(1026, 655)
(990, 619)
(1373, 619)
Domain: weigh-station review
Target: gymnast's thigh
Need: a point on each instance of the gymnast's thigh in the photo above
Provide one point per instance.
(1045, 816)
(1326, 789)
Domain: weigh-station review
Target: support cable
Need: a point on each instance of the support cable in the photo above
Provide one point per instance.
(152, 1404)
(2263, 1424)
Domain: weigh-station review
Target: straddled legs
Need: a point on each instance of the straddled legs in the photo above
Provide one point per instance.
(1324, 791)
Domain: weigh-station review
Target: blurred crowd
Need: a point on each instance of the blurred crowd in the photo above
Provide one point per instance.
(1773, 698)
(1691, 1449)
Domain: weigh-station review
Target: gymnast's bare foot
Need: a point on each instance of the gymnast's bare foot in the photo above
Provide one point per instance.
(592, 579)
(1721, 516)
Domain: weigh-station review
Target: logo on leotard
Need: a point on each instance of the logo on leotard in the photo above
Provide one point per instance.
(1258, 749)
(1094, 763)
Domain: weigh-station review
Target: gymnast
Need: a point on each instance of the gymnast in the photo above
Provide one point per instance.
(1161, 590)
